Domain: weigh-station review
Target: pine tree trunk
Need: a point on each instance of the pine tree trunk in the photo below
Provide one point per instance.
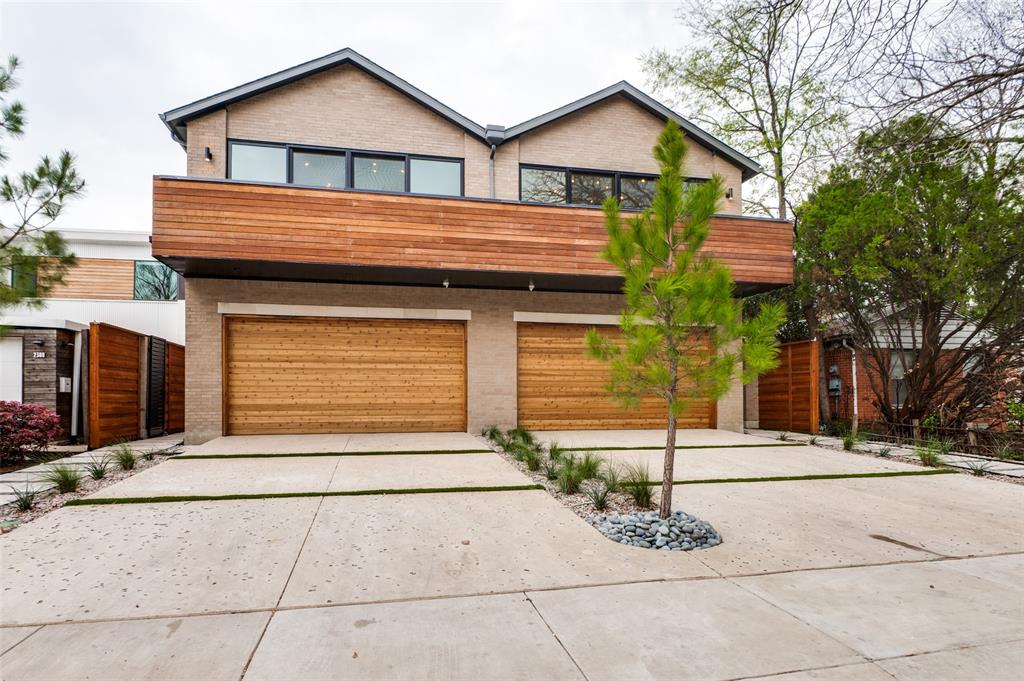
(669, 471)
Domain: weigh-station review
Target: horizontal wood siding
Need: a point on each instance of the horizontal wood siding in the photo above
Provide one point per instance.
(99, 279)
(203, 219)
(114, 399)
(788, 395)
(560, 387)
(331, 375)
(174, 391)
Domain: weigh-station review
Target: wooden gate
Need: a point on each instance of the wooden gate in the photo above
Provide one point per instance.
(788, 395)
(156, 386)
(114, 382)
(174, 392)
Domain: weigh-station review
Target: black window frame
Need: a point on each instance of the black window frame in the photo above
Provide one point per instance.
(569, 170)
(350, 154)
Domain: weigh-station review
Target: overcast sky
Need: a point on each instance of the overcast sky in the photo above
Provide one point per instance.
(95, 76)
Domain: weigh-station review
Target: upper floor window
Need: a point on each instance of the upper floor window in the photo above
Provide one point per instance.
(344, 169)
(538, 184)
(22, 277)
(155, 281)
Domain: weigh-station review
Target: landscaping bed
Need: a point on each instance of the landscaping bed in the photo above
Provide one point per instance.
(116, 470)
(611, 497)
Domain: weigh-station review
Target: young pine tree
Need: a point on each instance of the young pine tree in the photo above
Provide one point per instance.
(683, 332)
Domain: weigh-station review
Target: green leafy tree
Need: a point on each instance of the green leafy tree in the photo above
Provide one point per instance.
(33, 259)
(683, 333)
(919, 246)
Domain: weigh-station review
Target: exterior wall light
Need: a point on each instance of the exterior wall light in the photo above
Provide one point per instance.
(728, 193)
(207, 154)
(530, 285)
(445, 282)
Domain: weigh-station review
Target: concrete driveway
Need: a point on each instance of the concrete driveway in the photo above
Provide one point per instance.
(851, 578)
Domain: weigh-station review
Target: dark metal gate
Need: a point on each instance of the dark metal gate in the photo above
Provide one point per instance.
(156, 385)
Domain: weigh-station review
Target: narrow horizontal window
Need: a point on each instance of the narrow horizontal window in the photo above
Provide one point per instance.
(318, 170)
(636, 193)
(155, 281)
(378, 173)
(537, 185)
(430, 176)
(591, 189)
(259, 163)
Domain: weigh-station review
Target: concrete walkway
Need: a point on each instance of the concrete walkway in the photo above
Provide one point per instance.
(32, 477)
(855, 579)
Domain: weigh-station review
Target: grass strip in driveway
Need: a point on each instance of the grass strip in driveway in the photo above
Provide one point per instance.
(819, 476)
(411, 452)
(110, 501)
(633, 449)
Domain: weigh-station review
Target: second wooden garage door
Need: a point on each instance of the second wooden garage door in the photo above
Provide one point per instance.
(327, 375)
(561, 388)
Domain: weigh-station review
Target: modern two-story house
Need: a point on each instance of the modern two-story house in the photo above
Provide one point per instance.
(359, 257)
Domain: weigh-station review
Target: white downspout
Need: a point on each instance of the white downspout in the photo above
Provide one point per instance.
(490, 171)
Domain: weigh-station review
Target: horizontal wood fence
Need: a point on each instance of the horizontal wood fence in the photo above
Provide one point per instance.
(119, 377)
(788, 395)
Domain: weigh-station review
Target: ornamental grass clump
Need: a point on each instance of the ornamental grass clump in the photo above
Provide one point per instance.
(555, 452)
(550, 469)
(97, 468)
(532, 459)
(589, 466)
(929, 455)
(636, 482)
(125, 457)
(569, 476)
(64, 477)
(851, 439)
(612, 477)
(598, 495)
(24, 499)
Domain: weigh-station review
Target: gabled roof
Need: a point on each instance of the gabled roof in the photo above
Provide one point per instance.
(622, 88)
(176, 119)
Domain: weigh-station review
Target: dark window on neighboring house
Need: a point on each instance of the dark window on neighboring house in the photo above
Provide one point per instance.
(538, 184)
(900, 364)
(23, 277)
(318, 169)
(155, 281)
(344, 169)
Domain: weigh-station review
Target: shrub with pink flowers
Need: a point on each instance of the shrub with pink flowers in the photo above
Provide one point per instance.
(25, 429)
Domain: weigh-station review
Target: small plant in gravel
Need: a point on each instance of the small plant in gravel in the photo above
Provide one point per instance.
(24, 499)
(148, 454)
(520, 434)
(589, 466)
(97, 468)
(929, 456)
(884, 452)
(555, 452)
(783, 436)
(636, 483)
(851, 439)
(492, 433)
(64, 477)
(532, 459)
(550, 469)
(942, 447)
(813, 440)
(569, 477)
(612, 477)
(598, 495)
(979, 468)
(124, 456)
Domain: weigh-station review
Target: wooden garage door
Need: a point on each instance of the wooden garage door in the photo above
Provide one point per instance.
(561, 388)
(327, 375)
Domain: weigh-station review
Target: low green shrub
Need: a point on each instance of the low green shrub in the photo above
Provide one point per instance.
(124, 456)
(598, 495)
(521, 434)
(979, 468)
(1007, 453)
(942, 447)
(97, 468)
(929, 456)
(813, 440)
(851, 440)
(636, 483)
(532, 459)
(550, 469)
(885, 451)
(148, 454)
(783, 436)
(24, 499)
(64, 477)
(555, 452)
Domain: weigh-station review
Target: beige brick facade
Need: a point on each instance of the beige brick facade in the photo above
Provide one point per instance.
(490, 338)
(347, 108)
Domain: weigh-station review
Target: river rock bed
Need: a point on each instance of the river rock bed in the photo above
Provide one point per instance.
(680, 532)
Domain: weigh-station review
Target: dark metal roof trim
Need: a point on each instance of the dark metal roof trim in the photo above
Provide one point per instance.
(749, 165)
(175, 119)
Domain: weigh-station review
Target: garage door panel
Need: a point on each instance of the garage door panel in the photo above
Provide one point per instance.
(324, 375)
(561, 388)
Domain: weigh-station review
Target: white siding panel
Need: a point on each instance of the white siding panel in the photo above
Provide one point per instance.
(11, 369)
(155, 318)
